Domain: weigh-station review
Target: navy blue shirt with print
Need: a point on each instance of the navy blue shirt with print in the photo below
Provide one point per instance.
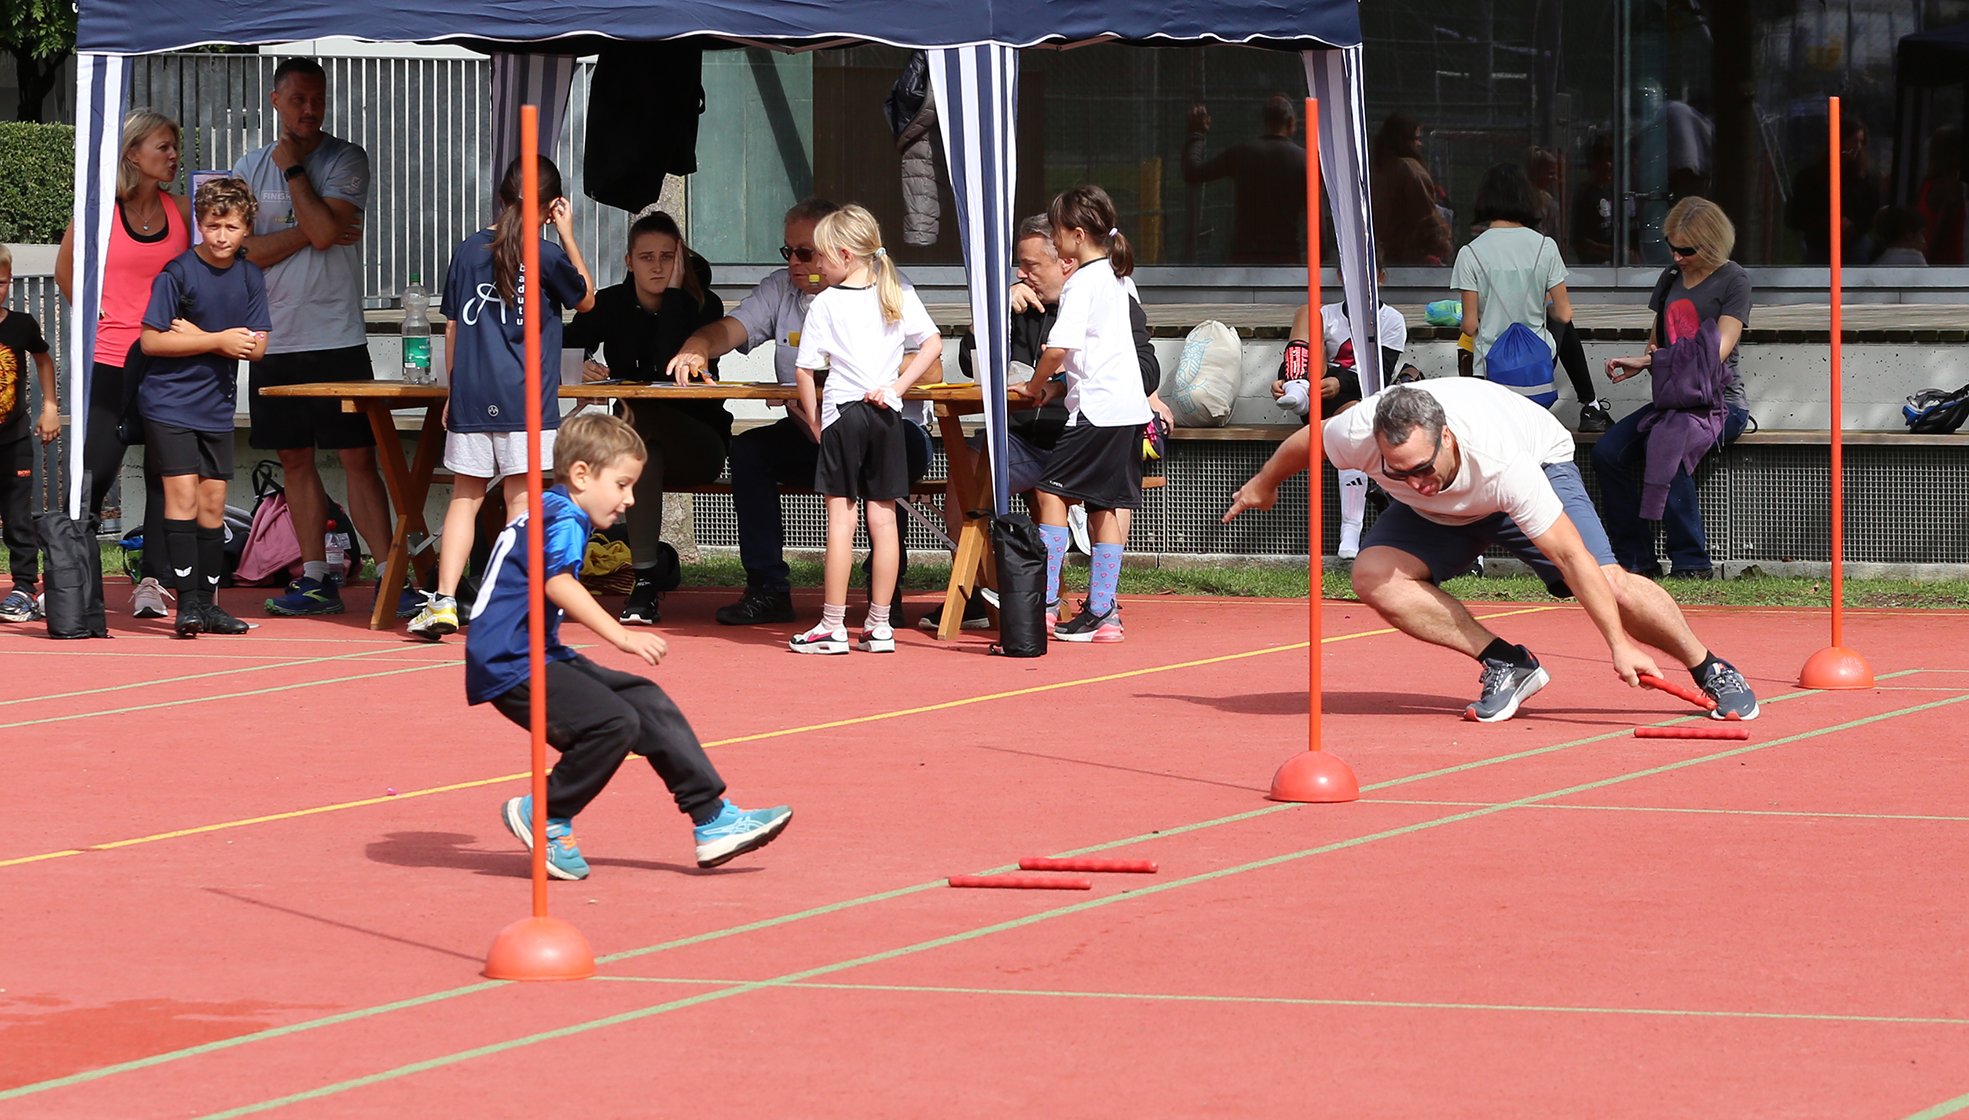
(199, 393)
(496, 642)
(488, 372)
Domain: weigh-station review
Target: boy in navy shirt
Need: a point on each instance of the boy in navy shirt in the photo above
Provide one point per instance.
(21, 343)
(596, 717)
(207, 313)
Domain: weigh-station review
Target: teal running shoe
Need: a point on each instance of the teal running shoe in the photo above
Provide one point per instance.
(564, 859)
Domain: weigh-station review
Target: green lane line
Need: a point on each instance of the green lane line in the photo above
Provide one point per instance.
(127, 686)
(1310, 1001)
(1034, 919)
(1813, 814)
(1946, 1108)
(229, 695)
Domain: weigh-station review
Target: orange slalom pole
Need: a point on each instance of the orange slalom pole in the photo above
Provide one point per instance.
(1314, 775)
(536, 550)
(536, 947)
(1833, 158)
(1836, 667)
(1315, 477)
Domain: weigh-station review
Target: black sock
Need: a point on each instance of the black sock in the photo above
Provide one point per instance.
(1700, 670)
(1572, 356)
(211, 561)
(705, 814)
(1500, 650)
(181, 549)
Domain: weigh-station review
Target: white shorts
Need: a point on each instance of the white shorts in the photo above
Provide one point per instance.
(494, 455)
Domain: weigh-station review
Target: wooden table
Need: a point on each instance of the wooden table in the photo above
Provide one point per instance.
(409, 481)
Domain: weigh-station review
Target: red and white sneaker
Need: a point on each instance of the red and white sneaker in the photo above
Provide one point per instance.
(820, 640)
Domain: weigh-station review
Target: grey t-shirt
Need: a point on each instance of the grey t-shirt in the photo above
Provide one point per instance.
(315, 295)
(1682, 310)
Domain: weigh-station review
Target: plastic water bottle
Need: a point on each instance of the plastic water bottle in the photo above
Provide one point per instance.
(336, 546)
(416, 333)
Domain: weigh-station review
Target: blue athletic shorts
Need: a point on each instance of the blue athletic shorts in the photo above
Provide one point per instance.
(1449, 550)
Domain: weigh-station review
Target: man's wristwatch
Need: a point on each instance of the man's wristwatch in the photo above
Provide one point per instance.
(294, 172)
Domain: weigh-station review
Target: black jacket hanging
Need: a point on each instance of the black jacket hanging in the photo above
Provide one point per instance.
(643, 106)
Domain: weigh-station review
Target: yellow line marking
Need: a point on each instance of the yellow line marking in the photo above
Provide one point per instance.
(733, 741)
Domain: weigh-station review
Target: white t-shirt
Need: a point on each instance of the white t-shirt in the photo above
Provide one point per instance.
(1104, 375)
(1506, 442)
(846, 335)
(1510, 268)
(315, 295)
(1339, 333)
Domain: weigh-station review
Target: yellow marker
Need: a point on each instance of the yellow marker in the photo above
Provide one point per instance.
(813, 278)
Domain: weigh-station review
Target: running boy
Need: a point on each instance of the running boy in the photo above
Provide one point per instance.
(858, 331)
(1098, 460)
(20, 342)
(596, 717)
(207, 313)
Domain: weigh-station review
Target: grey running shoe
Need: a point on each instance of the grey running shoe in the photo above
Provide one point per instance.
(1732, 694)
(1505, 687)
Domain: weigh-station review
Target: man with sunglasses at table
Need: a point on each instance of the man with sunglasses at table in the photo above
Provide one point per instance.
(784, 453)
(1471, 464)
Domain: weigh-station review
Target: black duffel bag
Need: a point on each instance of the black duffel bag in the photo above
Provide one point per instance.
(1020, 553)
(71, 567)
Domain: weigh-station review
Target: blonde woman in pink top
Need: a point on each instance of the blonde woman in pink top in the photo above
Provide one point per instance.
(152, 226)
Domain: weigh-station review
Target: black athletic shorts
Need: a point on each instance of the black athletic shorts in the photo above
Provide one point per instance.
(862, 455)
(1098, 466)
(180, 451)
(290, 423)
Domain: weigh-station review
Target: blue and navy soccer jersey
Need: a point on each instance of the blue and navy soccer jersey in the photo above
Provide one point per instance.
(488, 373)
(199, 393)
(496, 642)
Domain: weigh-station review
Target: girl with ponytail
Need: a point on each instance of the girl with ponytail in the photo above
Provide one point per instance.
(485, 362)
(1090, 360)
(859, 333)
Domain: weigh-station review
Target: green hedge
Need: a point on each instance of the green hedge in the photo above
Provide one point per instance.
(37, 180)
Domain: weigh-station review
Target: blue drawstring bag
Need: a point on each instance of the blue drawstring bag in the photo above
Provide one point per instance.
(1520, 361)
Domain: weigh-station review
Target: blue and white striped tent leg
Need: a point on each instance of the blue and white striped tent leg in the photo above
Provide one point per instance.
(977, 92)
(520, 79)
(98, 151)
(1334, 76)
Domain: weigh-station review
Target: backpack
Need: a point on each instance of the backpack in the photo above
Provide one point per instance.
(271, 553)
(1520, 362)
(1936, 411)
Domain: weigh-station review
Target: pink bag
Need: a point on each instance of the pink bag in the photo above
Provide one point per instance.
(272, 555)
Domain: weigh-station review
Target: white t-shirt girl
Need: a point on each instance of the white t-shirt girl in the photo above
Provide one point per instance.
(845, 334)
(1104, 376)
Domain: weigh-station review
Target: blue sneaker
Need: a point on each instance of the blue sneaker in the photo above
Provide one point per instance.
(308, 596)
(563, 855)
(735, 831)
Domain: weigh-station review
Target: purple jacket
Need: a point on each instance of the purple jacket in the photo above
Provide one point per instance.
(1687, 421)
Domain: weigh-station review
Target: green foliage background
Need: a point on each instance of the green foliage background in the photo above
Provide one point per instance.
(37, 180)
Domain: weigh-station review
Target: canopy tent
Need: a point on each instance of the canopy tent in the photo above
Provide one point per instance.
(974, 65)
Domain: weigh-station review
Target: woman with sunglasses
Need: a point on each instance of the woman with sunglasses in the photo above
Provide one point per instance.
(1702, 286)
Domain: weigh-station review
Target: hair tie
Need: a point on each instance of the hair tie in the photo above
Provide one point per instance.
(880, 251)
(1114, 231)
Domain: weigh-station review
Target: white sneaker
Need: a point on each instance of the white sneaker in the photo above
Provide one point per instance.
(1077, 529)
(877, 639)
(822, 640)
(147, 600)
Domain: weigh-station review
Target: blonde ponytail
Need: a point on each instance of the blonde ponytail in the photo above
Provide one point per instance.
(888, 286)
(854, 229)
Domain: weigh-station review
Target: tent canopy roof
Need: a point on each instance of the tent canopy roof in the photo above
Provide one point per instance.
(150, 26)
(1934, 58)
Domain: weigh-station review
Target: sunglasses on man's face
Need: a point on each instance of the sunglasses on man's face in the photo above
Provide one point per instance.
(1422, 471)
(804, 254)
(1684, 250)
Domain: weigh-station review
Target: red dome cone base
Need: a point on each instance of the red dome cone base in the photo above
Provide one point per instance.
(1315, 777)
(540, 949)
(1836, 667)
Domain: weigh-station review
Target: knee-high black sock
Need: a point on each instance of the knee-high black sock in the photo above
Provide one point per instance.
(211, 557)
(181, 548)
(1572, 355)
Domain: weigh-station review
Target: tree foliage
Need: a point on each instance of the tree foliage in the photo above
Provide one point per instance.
(40, 35)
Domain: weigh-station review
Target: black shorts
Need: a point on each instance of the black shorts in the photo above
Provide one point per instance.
(179, 451)
(1100, 467)
(862, 455)
(291, 423)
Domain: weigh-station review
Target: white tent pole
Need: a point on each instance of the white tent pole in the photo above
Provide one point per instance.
(98, 151)
(1334, 76)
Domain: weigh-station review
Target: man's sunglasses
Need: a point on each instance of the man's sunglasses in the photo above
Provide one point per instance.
(1423, 471)
(1684, 250)
(803, 254)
